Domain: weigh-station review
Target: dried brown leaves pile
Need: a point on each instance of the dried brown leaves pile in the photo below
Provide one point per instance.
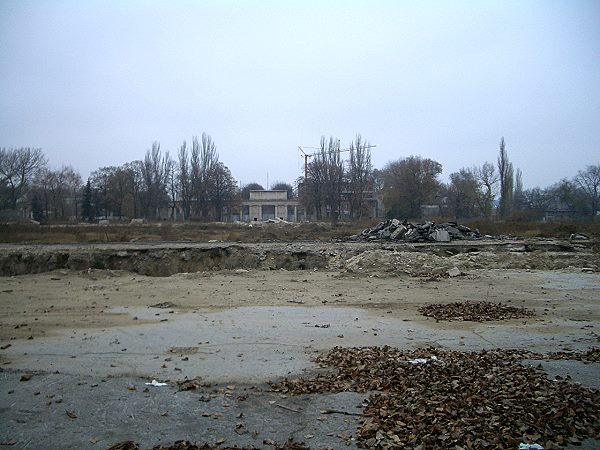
(591, 355)
(474, 311)
(189, 384)
(461, 400)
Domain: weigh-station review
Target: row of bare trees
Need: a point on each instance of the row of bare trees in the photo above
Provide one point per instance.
(196, 184)
(477, 192)
(18, 167)
(25, 177)
(333, 188)
(206, 186)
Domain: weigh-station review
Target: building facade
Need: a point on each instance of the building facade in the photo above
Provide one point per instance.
(270, 205)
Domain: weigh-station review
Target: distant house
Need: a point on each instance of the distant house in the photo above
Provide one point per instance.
(557, 210)
(269, 205)
(430, 211)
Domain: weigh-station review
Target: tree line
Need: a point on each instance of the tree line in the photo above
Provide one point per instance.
(480, 191)
(195, 184)
(195, 179)
(336, 189)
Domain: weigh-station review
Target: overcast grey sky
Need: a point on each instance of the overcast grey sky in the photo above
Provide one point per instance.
(93, 83)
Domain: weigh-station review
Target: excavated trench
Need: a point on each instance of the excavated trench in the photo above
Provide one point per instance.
(168, 259)
(160, 262)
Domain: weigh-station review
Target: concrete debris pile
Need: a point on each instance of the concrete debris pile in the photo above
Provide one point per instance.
(474, 311)
(394, 230)
(468, 400)
(579, 237)
(279, 220)
(391, 262)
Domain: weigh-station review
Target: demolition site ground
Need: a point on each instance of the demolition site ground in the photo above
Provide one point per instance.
(301, 344)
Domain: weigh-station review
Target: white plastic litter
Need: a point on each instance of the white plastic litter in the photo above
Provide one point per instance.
(424, 360)
(530, 447)
(156, 383)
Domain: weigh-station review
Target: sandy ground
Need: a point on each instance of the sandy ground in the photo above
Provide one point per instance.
(93, 338)
(35, 306)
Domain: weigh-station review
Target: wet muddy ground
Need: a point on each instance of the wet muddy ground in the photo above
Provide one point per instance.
(91, 337)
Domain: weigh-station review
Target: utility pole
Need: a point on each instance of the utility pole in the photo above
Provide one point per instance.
(307, 155)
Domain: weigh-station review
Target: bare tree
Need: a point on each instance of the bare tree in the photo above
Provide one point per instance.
(204, 158)
(18, 167)
(73, 187)
(360, 175)
(334, 180)
(133, 171)
(154, 176)
(311, 190)
(245, 192)
(283, 186)
(223, 190)
(326, 178)
(464, 194)
(57, 192)
(518, 194)
(42, 186)
(103, 194)
(588, 181)
(114, 190)
(410, 183)
(536, 200)
(184, 179)
(505, 170)
(171, 182)
(488, 180)
(566, 197)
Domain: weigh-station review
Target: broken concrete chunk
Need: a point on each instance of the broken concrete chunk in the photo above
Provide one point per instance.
(441, 236)
(578, 237)
(454, 272)
(398, 232)
(411, 235)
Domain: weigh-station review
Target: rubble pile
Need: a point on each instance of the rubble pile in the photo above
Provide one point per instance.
(408, 263)
(474, 311)
(392, 262)
(444, 399)
(394, 230)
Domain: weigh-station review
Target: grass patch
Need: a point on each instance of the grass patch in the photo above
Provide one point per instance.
(227, 232)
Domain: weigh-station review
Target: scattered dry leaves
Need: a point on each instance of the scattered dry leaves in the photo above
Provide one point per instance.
(189, 384)
(125, 445)
(474, 400)
(474, 311)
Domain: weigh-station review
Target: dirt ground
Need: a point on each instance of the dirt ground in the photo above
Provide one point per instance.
(97, 326)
